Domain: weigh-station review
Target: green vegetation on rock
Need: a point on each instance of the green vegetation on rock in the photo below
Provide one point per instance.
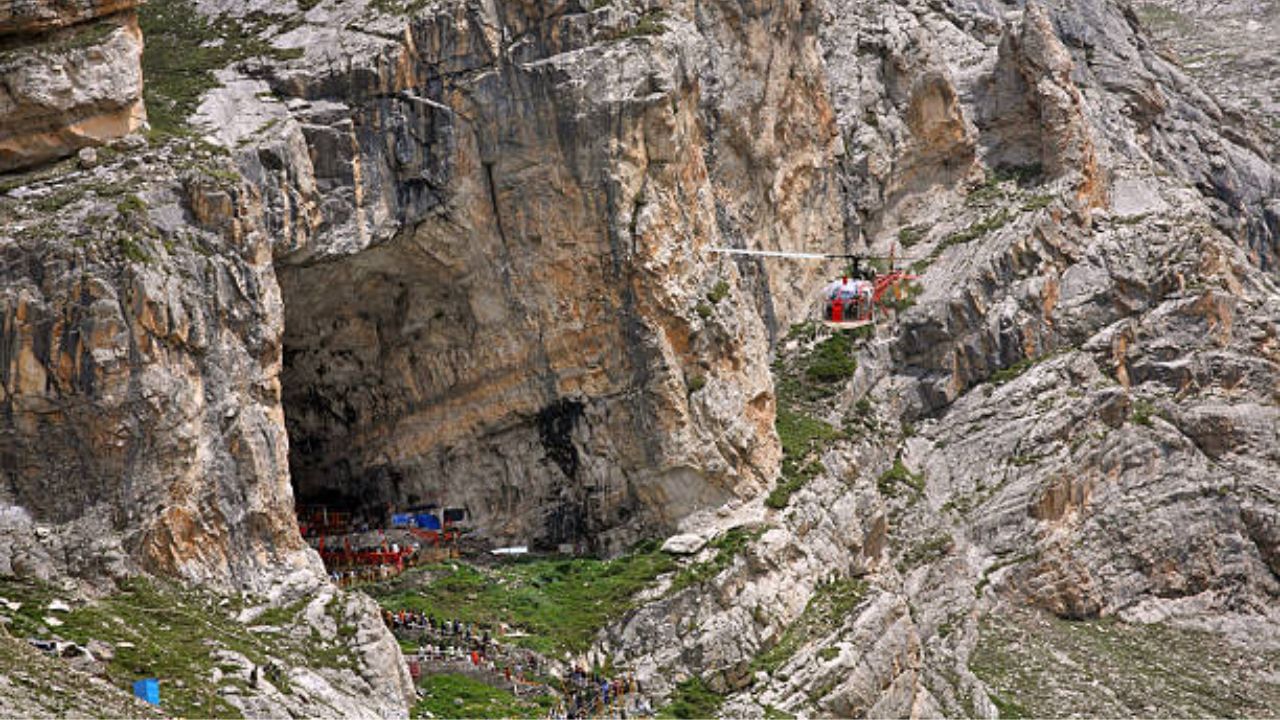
(728, 546)
(927, 551)
(719, 292)
(827, 609)
(1004, 375)
(692, 700)
(989, 224)
(183, 49)
(1143, 411)
(801, 382)
(801, 436)
(1039, 665)
(171, 633)
(458, 696)
(650, 23)
(832, 360)
(910, 235)
(892, 481)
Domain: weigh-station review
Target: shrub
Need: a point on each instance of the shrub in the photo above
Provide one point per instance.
(910, 235)
(692, 699)
(991, 223)
(1142, 412)
(832, 360)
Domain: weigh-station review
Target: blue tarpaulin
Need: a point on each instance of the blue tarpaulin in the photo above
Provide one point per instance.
(148, 689)
(402, 520)
(427, 521)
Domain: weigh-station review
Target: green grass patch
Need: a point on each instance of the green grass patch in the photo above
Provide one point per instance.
(401, 8)
(910, 235)
(704, 310)
(1021, 460)
(791, 481)
(458, 696)
(925, 552)
(1142, 412)
(1005, 375)
(1039, 202)
(719, 292)
(1037, 664)
(131, 248)
(696, 383)
(861, 421)
(692, 700)
(1007, 708)
(830, 605)
(131, 205)
(561, 603)
(801, 436)
(55, 201)
(807, 330)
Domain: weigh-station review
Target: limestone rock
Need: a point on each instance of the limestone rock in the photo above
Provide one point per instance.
(72, 76)
(468, 320)
(684, 544)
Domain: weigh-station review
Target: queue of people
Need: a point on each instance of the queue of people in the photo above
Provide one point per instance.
(592, 695)
(449, 645)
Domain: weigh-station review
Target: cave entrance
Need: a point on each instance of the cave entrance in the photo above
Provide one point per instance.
(365, 375)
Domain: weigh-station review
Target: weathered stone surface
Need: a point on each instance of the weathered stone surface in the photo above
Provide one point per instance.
(490, 254)
(684, 544)
(159, 342)
(70, 76)
(144, 313)
(1076, 415)
(487, 224)
(25, 17)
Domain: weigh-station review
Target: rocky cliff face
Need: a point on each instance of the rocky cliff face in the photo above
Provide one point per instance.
(1074, 414)
(72, 77)
(491, 228)
(492, 291)
(455, 252)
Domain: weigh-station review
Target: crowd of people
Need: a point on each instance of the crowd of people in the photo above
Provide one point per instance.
(450, 644)
(449, 640)
(591, 695)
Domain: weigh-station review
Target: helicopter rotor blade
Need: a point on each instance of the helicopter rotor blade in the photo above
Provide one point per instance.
(804, 256)
(775, 253)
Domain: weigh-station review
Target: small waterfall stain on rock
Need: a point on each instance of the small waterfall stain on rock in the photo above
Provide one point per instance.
(555, 428)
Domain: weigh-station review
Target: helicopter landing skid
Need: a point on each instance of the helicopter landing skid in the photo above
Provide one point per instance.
(847, 325)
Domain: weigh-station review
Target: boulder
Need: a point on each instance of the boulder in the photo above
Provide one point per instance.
(684, 544)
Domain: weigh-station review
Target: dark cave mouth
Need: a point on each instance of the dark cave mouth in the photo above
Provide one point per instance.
(365, 336)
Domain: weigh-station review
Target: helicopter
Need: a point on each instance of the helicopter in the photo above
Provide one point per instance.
(850, 302)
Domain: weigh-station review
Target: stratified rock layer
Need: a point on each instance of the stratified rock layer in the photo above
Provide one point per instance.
(491, 257)
(1077, 413)
(70, 76)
